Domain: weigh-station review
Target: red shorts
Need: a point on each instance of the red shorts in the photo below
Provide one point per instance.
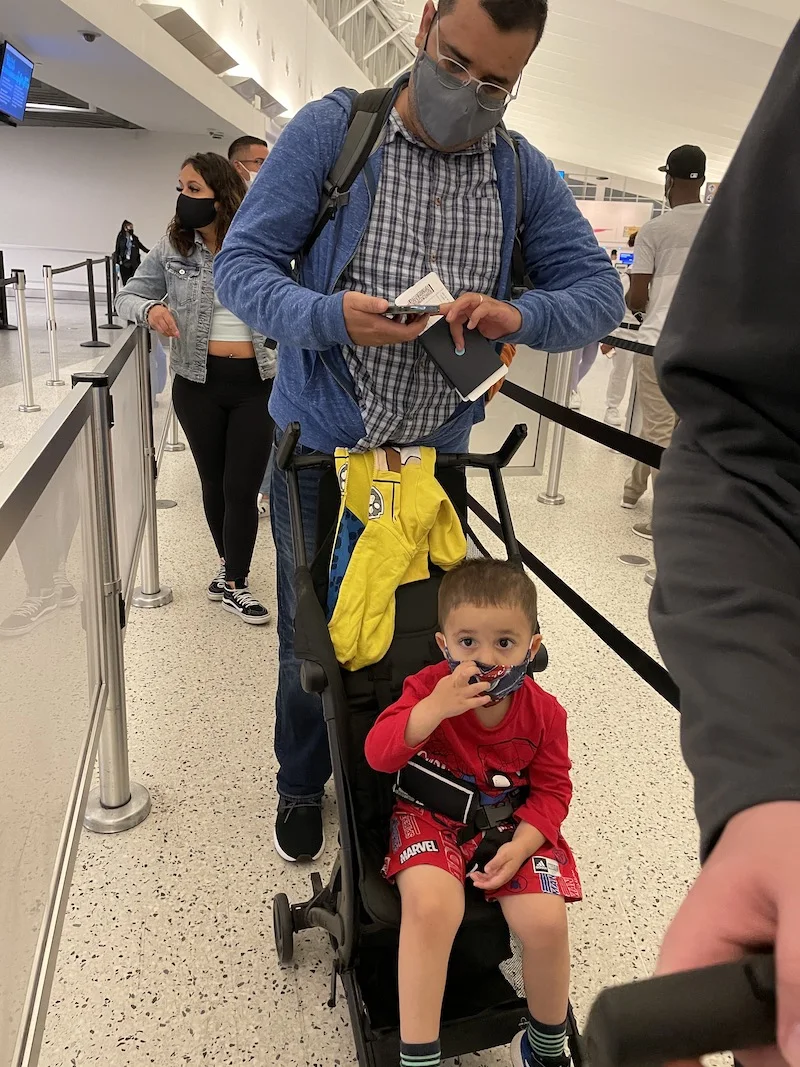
(419, 839)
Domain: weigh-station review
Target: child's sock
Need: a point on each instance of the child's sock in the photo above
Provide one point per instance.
(427, 1055)
(547, 1042)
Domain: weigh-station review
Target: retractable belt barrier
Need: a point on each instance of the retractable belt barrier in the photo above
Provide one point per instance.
(618, 440)
(629, 345)
(637, 659)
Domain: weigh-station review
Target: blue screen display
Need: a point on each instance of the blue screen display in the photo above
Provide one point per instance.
(15, 82)
(626, 258)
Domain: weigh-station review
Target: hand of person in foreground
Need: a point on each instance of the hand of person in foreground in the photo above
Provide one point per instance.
(747, 897)
(492, 318)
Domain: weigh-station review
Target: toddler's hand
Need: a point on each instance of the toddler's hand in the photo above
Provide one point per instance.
(500, 869)
(455, 694)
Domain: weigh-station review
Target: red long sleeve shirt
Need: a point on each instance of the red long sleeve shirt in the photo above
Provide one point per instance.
(529, 747)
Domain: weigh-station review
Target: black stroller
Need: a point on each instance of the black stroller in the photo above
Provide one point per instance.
(357, 908)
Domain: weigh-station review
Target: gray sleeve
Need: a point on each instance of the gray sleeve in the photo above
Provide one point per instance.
(726, 607)
(146, 288)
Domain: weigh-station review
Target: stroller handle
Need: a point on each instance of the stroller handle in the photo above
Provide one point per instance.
(286, 456)
(290, 461)
(684, 1016)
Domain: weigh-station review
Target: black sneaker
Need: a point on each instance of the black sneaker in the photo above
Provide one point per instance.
(65, 591)
(298, 830)
(216, 589)
(32, 611)
(242, 603)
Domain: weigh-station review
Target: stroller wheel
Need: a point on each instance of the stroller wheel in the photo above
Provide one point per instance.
(283, 925)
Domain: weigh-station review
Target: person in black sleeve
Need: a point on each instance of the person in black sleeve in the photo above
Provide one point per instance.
(726, 605)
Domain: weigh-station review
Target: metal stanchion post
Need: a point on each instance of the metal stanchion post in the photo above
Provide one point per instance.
(24, 343)
(564, 373)
(95, 342)
(174, 444)
(4, 323)
(151, 594)
(52, 338)
(110, 324)
(118, 804)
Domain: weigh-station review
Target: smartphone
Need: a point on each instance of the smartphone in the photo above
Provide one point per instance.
(411, 309)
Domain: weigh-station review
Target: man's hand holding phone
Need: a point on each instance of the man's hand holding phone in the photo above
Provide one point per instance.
(367, 323)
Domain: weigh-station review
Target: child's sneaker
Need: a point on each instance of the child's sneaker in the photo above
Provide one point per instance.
(522, 1053)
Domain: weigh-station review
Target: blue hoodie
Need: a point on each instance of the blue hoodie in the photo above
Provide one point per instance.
(577, 297)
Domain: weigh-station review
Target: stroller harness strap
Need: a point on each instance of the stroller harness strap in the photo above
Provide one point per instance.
(441, 792)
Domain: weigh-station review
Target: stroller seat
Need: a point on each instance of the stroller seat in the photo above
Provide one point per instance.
(358, 908)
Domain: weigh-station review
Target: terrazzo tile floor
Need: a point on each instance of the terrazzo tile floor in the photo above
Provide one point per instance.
(167, 953)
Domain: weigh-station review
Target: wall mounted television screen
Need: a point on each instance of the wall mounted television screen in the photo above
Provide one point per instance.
(16, 71)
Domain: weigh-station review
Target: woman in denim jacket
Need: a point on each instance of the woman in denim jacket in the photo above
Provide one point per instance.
(222, 370)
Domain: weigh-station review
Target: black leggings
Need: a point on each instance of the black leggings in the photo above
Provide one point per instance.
(229, 431)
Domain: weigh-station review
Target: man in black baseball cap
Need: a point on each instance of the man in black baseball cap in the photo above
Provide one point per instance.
(688, 162)
(662, 246)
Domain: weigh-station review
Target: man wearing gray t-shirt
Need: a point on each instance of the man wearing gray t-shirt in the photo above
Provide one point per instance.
(662, 246)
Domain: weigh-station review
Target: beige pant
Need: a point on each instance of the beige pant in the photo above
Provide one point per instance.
(658, 422)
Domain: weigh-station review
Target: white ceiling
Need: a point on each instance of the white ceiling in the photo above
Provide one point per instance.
(190, 99)
(616, 84)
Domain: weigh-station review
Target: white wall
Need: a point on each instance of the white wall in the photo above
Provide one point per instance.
(65, 192)
(283, 44)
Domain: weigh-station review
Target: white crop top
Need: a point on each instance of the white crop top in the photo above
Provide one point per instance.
(225, 326)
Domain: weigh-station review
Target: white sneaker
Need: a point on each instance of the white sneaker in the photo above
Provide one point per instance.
(262, 504)
(575, 400)
(612, 417)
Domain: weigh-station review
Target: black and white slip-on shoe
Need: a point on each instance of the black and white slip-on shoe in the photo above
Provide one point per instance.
(32, 611)
(216, 588)
(241, 602)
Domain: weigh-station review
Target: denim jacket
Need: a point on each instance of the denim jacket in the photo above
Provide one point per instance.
(185, 284)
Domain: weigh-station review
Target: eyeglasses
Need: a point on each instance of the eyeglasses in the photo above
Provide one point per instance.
(257, 162)
(453, 75)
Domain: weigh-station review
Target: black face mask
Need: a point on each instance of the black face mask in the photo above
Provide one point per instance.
(195, 212)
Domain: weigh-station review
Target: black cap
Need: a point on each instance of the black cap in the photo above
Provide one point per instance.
(688, 161)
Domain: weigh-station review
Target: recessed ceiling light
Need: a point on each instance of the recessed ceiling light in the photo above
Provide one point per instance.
(56, 107)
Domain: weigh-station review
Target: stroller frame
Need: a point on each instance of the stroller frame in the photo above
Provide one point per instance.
(358, 939)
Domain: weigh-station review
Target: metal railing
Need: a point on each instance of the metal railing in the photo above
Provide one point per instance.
(65, 502)
(16, 280)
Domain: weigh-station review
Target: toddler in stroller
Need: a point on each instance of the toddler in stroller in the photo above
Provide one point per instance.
(357, 907)
(480, 753)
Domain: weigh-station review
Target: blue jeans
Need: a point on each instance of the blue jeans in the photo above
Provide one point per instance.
(301, 739)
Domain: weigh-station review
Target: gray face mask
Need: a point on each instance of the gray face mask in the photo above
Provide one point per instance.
(451, 118)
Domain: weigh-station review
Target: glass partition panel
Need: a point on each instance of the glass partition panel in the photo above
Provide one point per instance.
(49, 687)
(126, 449)
(160, 390)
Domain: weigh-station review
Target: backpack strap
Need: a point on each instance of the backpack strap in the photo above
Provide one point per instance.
(367, 119)
(520, 280)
